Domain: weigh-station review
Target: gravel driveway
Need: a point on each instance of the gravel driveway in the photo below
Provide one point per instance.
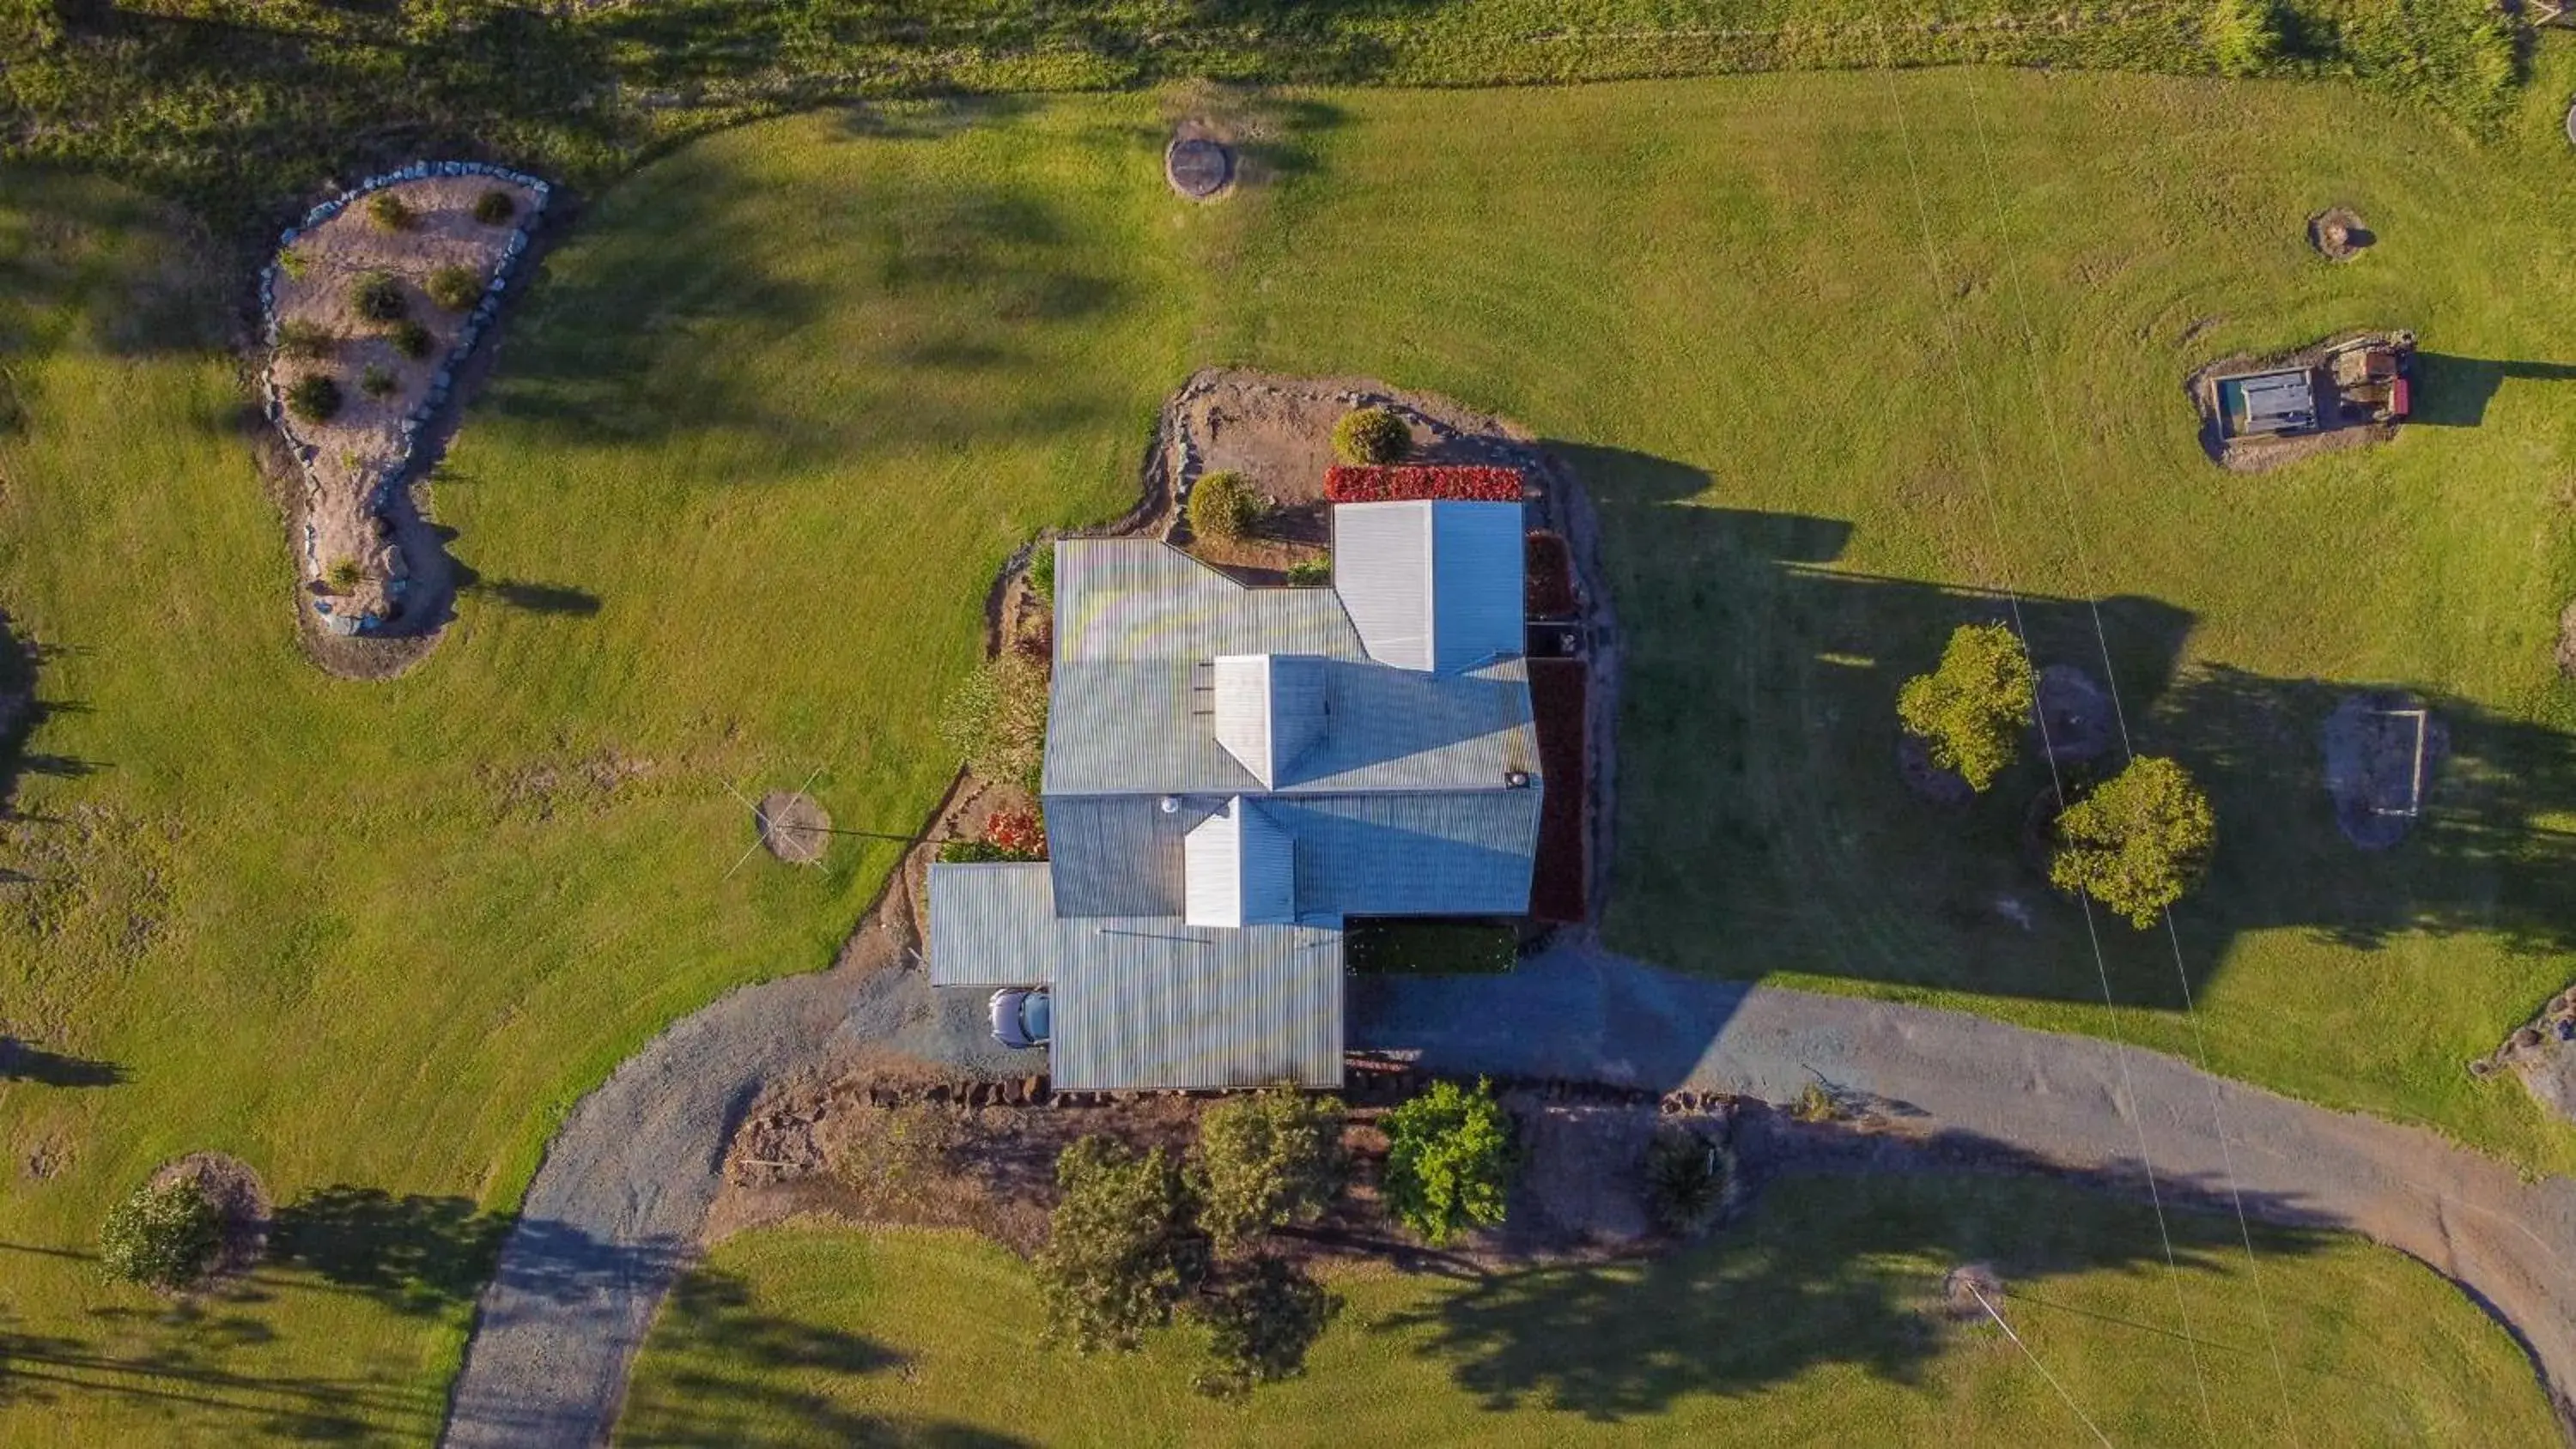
(1588, 1015)
(615, 1211)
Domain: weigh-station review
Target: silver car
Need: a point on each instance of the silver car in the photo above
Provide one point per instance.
(1021, 1017)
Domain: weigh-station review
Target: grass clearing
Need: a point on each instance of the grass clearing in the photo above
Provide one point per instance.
(787, 399)
(1819, 1319)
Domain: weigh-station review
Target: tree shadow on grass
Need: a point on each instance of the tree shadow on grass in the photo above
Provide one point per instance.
(416, 1253)
(1847, 1271)
(22, 1061)
(744, 1376)
(2453, 392)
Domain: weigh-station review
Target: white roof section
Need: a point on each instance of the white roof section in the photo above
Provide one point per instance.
(1432, 585)
(1269, 710)
(1238, 869)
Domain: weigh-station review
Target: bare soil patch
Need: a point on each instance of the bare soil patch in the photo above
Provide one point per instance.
(2263, 454)
(2382, 750)
(794, 826)
(2542, 1054)
(2338, 234)
(352, 459)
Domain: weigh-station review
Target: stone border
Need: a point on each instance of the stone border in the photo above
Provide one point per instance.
(442, 378)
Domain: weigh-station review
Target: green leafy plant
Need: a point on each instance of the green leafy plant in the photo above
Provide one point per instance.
(1042, 570)
(1688, 1180)
(1816, 1104)
(411, 339)
(293, 263)
(377, 297)
(345, 575)
(1260, 1321)
(302, 337)
(2244, 36)
(391, 212)
(1121, 1252)
(314, 397)
(1449, 1161)
(161, 1237)
(494, 207)
(1223, 506)
(995, 719)
(2139, 841)
(1309, 572)
(455, 288)
(376, 382)
(1972, 709)
(1267, 1160)
(1371, 435)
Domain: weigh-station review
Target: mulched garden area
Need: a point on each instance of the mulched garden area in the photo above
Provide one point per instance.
(1548, 578)
(1430, 947)
(1560, 887)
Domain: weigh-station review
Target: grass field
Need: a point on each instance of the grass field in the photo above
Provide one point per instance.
(788, 397)
(1818, 1321)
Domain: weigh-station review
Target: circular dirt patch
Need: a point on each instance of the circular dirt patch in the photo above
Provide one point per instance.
(2381, 750)
(1198, 168)
(2077, 717)
(241, 1206)
(1962, 1286)
(794, 827)
(2338, 235)
(1926, 779)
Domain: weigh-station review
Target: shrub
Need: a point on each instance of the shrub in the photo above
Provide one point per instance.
(1415, 482)
(1042, 571)
(412, 339)
(2244, 36)
(1371, 435)
(378, 297)
(293, 263)
(391, 212)
(305, 338)
(1817, 1103)
(1688, 1179)
(2138, 842)
(1120, 1252)
(1972, 709)
(1260, 1322)
(1265, 1161)
(1306, 573)
(455, 288)
(314, 397)
(995, 719)
(1448, 1161)
(1223, 506)
(161, 1237)
(1018, 834)
(494, 207)
(345, 575)
(376, 382)
(890, 1159)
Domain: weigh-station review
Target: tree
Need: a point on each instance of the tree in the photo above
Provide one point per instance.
(1120, 1250)
(1448, 1161)
(1371, 435)
(1260, 1321)
(1972, 709)
(162, 1237)
(2138, 841)
(1223, 506)
(1265, 1161)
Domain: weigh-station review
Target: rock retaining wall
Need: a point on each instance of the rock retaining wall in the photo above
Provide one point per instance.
(442, 378)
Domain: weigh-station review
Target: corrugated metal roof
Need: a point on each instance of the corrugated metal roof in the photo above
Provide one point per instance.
(1146, 1003)
(1431, 585)
(1238, 869)
(1269, 710)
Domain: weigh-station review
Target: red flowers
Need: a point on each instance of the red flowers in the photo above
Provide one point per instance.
(1020, 834)
(1411, 483)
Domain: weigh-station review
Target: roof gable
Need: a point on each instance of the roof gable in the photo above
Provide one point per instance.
(1431, 585)
(1269, 710)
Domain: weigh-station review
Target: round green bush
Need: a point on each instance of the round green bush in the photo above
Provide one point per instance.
(391, 212)
(378, 297)
(161, 1237)
(1371, 435)
(455, 288)
(1223, 506)
(376, 383)
(494, 207)
(314, 397)
(412, 340)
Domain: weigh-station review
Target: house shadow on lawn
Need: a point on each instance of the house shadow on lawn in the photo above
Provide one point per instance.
(1831, 1269)
(1760, 702)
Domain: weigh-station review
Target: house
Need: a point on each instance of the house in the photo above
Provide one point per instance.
(1234, 773)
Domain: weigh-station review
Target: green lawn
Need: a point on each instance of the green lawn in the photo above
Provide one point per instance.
(789, 396)
(1816, 1322)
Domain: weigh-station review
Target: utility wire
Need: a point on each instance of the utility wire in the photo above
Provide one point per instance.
(2080, 1415)
(1994, 513)
(2092, 597)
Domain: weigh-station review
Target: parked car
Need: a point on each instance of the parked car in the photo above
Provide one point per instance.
(1021, 1016)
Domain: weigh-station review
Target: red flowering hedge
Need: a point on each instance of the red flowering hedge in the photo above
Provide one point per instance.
(1416, 482)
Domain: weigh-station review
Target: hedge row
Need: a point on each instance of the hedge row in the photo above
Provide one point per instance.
(1417, 482)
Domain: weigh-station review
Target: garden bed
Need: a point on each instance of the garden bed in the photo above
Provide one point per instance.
(1560, 885)
(1430, 947)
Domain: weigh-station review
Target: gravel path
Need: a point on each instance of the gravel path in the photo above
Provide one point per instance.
(615, 1211)
(1586, 1015)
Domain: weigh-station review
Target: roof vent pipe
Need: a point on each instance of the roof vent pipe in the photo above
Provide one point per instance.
(1171, 804)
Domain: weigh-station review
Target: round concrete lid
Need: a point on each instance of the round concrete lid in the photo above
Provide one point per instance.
(1198, 167)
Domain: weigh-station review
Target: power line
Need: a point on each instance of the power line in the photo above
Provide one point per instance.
(2092, 597)
(2069, 1399)
(1994, 513)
